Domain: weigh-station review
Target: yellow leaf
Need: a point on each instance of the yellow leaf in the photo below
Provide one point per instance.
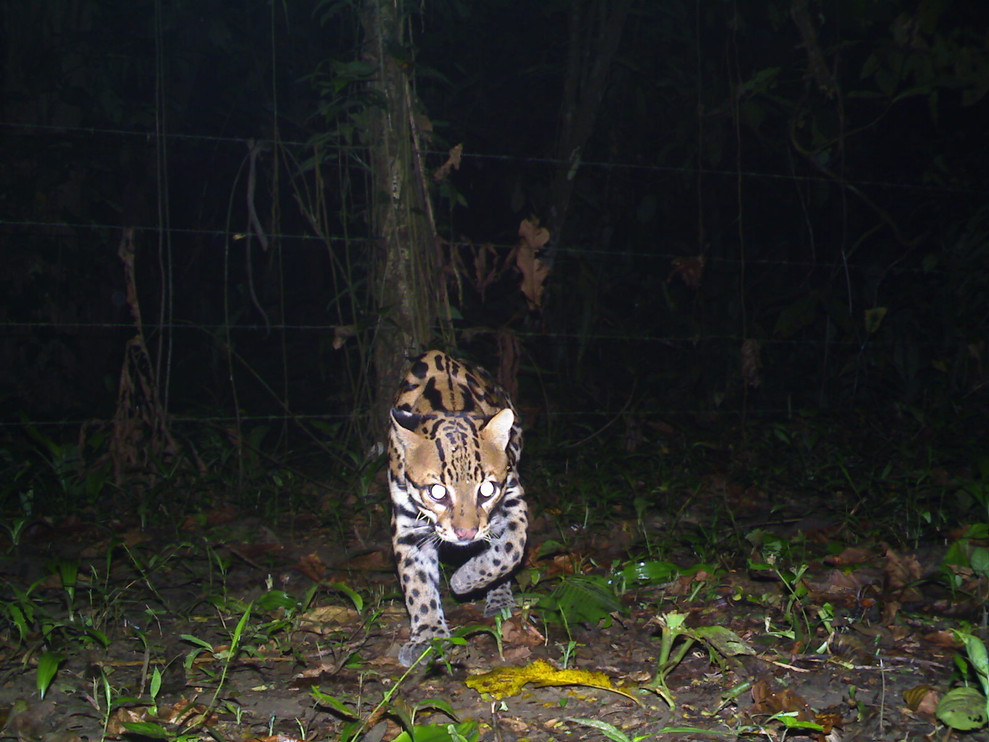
(509, 681)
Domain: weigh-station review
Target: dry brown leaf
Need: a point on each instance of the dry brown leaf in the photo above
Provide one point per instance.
(829, 722)
(890, 609)
(330, 615)
(901, 573)
(943, 638)
(487, 270)
(124, 715)
(534, 271)
(687, 584)
(847, 645)
(27, 721)
(373, 561)
(561, 564)
(769, 702)
(517, 655)
(970, 583)
(452, 163)
(342, 333)
(215, 517)
(850, 555)
(921, 699)
(532, 234)
(312, 567)
(689, 268)
(182, 712)
(516, 632)
(836, 584)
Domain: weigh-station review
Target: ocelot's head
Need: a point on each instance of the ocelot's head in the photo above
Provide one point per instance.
(455, 467)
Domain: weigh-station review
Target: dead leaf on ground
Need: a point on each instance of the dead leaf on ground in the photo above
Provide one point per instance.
(312, 567)
(687, 584)
(943, 638)
(126, 715)
(328, 618)
(849, 556)
(829, 722)
(902, 572)
(373, 561)
(890, 609)
(182, 712)
(515, 632)
(252, 552)
(921, 699)
(837, 584)
(215, 517)
(769, 702)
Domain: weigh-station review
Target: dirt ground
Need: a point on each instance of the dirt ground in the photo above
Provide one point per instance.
(176, 603)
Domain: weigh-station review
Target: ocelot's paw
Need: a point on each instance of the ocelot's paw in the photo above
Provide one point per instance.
(419, 643)
(411, 651)
(499, 598)
(466, 580)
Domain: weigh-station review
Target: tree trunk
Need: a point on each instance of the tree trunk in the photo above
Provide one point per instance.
(406, 259)
(595, 32)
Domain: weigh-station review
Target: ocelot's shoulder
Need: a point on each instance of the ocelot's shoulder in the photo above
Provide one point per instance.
(439, 382)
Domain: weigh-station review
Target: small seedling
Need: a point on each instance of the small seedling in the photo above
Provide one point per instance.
(676, 639)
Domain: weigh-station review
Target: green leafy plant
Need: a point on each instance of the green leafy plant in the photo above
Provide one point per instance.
(404, 713)
(48, 664)
(676, 639)
(586, 599)
(74, 480)
(965, 708)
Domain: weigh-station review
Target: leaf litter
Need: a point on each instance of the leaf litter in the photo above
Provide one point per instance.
(816, 632)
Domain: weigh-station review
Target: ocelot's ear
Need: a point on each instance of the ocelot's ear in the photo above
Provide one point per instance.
(405, 424)
(498, 429)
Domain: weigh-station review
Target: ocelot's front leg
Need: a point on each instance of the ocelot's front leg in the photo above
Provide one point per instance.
(419, 571)
(500, 558)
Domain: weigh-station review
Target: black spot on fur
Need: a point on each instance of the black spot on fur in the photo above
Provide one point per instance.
(433, 396)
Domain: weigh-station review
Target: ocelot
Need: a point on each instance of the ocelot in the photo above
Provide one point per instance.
(453, 447)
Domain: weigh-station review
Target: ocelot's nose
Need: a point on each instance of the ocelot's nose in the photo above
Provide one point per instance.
(465, 534)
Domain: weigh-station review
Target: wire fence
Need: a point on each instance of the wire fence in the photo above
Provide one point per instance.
(66, 315)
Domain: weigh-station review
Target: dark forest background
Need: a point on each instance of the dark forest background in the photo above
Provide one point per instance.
(781, 206)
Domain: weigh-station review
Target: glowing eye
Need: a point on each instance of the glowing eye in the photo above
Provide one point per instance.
(437, 491)
(487, 489)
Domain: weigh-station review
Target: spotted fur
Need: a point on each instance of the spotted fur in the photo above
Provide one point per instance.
(453, 447)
